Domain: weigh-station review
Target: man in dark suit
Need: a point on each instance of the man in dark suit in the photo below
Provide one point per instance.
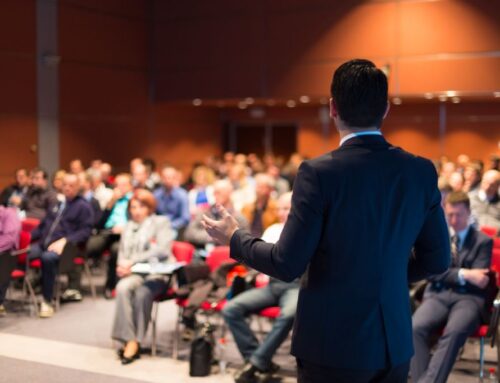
(453, 300)
(357, 212)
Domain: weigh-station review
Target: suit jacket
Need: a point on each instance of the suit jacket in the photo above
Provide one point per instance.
(474, 254)
(356, 214)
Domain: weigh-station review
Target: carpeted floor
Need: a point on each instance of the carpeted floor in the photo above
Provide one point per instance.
(75, 346)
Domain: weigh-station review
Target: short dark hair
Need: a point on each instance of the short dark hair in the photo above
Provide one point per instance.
(359, 91)
(44, 172)
(457, 197)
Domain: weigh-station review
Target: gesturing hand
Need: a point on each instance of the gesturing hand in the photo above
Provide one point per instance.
(221, 231)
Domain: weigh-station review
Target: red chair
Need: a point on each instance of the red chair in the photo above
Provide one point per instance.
(183, 252)
(490, 330)
(496, 243)
(490, 231)
(21, 271)
(29, 224)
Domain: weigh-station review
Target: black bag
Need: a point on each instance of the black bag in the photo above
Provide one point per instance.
(202, 353)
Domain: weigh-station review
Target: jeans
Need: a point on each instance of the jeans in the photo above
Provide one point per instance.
(50, 264)
(280, 294)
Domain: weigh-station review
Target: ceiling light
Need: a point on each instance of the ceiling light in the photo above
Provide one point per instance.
(428, 96)
(249, 100)
(304, 99)
(451, 93)
(455, 100)
(496, 94)
(242, 105)
(197, 102)
(397, 101)
(291, 103)
(442, 97)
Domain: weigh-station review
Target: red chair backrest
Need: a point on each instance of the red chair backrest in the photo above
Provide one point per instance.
(495, 264)
(24, 243)
(218, 256)
(29, 224)
(496, 243)
(490, 231)
(183, 251)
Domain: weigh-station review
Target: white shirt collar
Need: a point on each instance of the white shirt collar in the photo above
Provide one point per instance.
(357, 134)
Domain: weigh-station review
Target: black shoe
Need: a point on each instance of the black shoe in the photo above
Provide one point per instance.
(247, 374)
(129, 360)
(108, 294)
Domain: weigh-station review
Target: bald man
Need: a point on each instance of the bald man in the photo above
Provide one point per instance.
(68, 223)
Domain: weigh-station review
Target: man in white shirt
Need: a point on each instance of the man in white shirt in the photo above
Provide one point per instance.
(258, 357)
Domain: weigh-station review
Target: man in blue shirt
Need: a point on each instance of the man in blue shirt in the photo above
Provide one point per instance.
(172, 200)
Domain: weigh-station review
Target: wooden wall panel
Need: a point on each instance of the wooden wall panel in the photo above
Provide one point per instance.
(18, 125)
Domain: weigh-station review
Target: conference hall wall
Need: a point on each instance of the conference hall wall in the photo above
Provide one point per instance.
(129, 71)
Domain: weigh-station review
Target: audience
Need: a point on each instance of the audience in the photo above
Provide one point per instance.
(453, 300)
(125, 224)
(65, 227)
(258, 357)
(172, 200)
(146, 238)
(10, 227)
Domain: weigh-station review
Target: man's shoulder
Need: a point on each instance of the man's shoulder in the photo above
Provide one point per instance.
(338, 156)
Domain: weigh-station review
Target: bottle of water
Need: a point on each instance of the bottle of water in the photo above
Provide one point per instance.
(221, 350)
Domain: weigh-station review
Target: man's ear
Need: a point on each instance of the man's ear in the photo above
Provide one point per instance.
(387, 109)
(333, 109)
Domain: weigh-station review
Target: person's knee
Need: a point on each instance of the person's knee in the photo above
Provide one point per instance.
(123, 288)
(232, 311)
(143, 294)
(49, 257)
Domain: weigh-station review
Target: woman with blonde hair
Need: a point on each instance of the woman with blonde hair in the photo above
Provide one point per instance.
(201, 196)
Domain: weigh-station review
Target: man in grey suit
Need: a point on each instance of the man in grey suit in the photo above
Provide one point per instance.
(357, 213)
(453, 300)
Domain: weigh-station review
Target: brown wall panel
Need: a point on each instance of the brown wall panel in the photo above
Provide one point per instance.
(466, 75)
(90, 36)
(448, 26)
(17, 18)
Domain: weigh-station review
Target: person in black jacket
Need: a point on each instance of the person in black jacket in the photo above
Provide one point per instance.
(453, 300)
(357, 213)
(68, 224)
(13, 195)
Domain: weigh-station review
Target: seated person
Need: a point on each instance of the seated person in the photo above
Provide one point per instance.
(262, 213)
(201, 196)
(145, 238)
(485, 202)
(140, 177)
(14, 194)
(258, 357)
(10, 227)
(113, 221)
(453, 300)
(195, 232)
(70, 222)
(172, 200)
(39, 199)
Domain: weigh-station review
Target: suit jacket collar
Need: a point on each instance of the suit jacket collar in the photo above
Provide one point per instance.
(365, 141)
